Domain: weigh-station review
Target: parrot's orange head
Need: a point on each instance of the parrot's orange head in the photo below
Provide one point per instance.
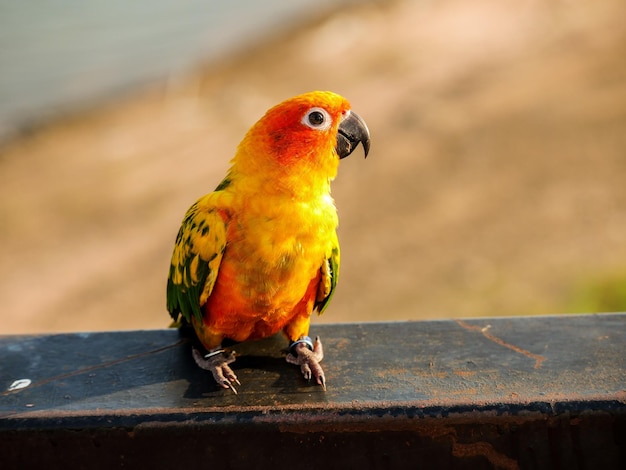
(311, 131)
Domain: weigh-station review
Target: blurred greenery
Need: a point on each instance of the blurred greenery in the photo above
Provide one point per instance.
(600, 293)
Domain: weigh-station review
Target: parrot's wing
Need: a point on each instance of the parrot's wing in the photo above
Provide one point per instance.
(328, 281)
(198, 251)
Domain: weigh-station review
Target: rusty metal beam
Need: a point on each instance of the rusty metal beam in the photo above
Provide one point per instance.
(524, 392)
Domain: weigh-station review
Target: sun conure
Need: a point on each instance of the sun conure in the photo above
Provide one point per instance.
(260, 253)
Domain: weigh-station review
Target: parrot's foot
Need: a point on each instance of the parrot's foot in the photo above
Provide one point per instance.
(308, 356)
(216, 361)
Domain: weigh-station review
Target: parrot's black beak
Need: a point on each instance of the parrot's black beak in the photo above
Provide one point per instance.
(352, 130)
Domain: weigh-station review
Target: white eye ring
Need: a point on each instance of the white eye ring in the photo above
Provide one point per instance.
(317, 118)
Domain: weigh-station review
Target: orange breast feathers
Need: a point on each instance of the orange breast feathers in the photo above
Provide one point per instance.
(271, 270)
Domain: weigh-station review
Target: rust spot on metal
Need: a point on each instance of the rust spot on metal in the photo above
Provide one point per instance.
(484, 449)
(465, 373)
(485, 332)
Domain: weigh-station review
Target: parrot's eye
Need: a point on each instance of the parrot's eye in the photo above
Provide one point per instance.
(317, 118)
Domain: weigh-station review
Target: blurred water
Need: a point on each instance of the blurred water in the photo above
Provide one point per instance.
(59, 54)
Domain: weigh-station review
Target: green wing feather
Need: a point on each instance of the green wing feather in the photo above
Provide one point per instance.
(330, 273)
(198, 251)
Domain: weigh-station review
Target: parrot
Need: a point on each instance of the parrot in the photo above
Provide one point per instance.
(260, 253)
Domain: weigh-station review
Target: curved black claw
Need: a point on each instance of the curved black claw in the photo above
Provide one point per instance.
(216, 362)
(308, 359)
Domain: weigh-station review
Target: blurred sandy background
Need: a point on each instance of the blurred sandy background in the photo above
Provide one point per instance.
(496, 183)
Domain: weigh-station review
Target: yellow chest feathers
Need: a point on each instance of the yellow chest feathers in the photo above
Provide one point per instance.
(281, 235)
